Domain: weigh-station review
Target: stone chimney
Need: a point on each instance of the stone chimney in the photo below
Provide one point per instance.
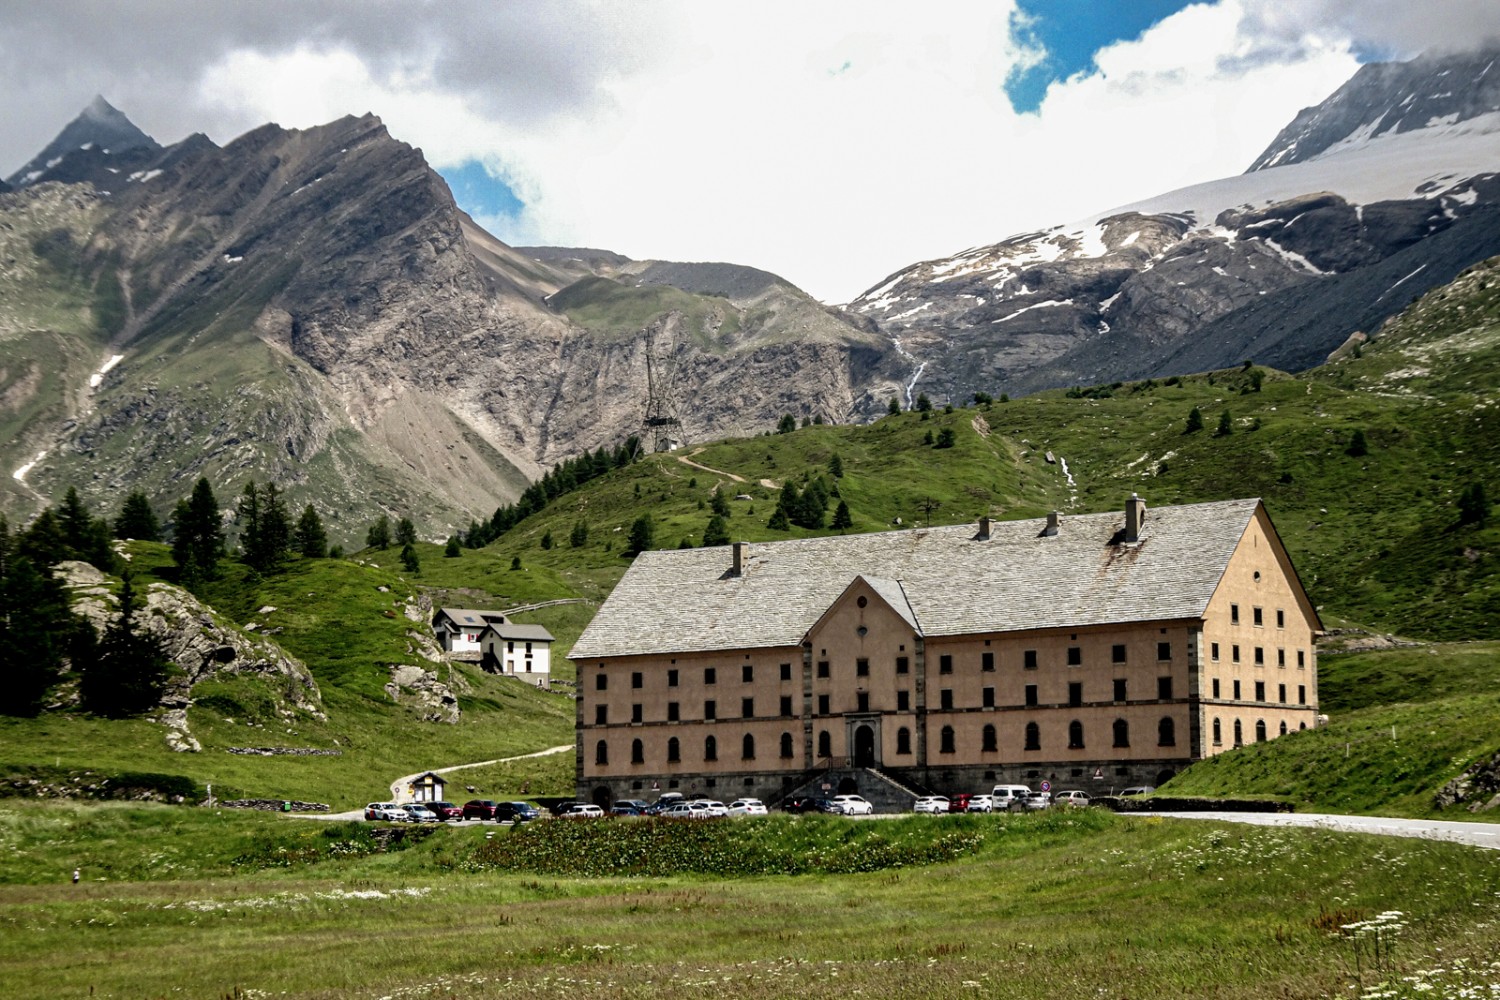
(984, 529)
(741, 550)
(1135, 518)
(1054, 523)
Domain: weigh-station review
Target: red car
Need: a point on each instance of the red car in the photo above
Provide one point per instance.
(445, 810)
(479, 809)
(960, 802)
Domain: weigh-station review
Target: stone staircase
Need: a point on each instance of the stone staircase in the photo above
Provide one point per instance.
(883, 791)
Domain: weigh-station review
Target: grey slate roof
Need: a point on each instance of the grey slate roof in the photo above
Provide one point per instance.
(677, 601)
(515, 630)
(470, 618)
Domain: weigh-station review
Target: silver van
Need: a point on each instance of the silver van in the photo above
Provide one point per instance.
(1005, 796)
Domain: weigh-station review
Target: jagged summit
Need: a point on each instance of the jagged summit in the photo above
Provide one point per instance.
(1385, 99)
(100, 128)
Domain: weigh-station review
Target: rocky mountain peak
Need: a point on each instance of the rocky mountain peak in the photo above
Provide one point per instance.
(1435, 89)
(100, 128)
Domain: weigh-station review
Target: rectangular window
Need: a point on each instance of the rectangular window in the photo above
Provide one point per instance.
(1260, 656)
(823, 705)
(862, 699)
(945, 664)
(672, 715)
(1280, 618)
(987, 661)
(1117, 653)
(747, 674)
(1075, 693)
(710, 675)
(1216, 687)
(1301, 661)
(1075, 656)
(635, 713)
(822, 668)
(786, 671)
(987, 697)
(903, 701)
(861, 667)
(1302, 694)
(945, 699)
(1234, 652)
(1164, 689)
(1236, 690)
(710, 710)
(786, 706)
(601, 682)
(637, 680)
(1031, 696)
(1213, 651)
(1281, 657)
(747, 708)
(671, 678)
(1234, 614)
(1163, 650)
(1281, 693)
(1260, 690)
(1119, 689)
(1029, 659)
(510, 646)
(903, 665)
(1257, 617)
(601, 715)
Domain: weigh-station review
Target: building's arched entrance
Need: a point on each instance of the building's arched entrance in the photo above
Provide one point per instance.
(603, 798)
(848, 786)
(864, 746)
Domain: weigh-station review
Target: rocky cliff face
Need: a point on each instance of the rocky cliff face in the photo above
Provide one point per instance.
(1363, 204)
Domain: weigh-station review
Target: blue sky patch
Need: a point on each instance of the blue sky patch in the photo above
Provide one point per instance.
(479, 193)
(1071, 31)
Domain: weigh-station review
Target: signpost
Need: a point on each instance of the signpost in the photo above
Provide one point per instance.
(1046, 786)
(1098, 774)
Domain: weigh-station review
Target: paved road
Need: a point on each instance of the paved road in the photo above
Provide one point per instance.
(1474, 834)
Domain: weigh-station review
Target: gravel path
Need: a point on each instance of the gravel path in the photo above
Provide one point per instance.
(1474, 834)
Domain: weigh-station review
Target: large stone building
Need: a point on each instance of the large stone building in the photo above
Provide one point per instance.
(1091, 651)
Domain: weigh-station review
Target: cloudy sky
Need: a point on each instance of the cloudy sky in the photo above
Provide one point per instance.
(832, 142)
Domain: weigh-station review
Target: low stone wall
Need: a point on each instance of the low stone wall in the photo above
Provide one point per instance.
(282, 752)
(1167, 803)
(275, 805)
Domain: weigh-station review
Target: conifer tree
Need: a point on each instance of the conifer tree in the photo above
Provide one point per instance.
(379, 535)
(719, 503)
(579, 536)
(137, 520)
(406, 532)
(779, 521)
(198, 535)
(309, 538)
(642, 534)
(1473, 505)
(35, 623)
(893, 407)
(129, 673)
(452, 550)
(1226, 425)
(1194, 421)
(409, 560)
(717, 532)
(836, 466)
(841, 517)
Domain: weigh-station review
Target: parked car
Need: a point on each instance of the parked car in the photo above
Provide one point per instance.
(803, 804)
(624, 809)
(516, 812)
(1038, 800)
(684, 810)
(479, 809)
(853, 805)
(713, 807)
(583, 810)
(639, 805)
(933, 804)
(747, 807)
(664, 802)
(1137, 790)
(959, 803)
(445, 810)
(418, 812)
(1071, 797)
(1008, 796)
(981, 804)
(387, 811)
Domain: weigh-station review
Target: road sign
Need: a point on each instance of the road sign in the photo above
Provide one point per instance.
(827, 786)
(1098, 774)
(1046, 786)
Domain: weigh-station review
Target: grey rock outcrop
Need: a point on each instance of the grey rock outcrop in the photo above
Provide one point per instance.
(422, 691)
(1477, 789)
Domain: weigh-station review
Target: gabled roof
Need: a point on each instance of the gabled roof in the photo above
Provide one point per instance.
(470, 618)
(515, 630)
(953, 581)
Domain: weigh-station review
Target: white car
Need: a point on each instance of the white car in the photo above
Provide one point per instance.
(1073, 797)
(583, 810)
(934, 804)
(418, 813)
(853, 805)
(684, 810)
(1038, 800)
(981, 804)
(388, 811)
(1006, 796)
(712, 807)
(747, 807)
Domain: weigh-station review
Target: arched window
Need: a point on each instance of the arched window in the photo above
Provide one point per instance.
(747, 748)
(991, 740)
(1122, 734)
(1302, 726)
(825, 744)
(1033, 736)
(1166, 733)
(601, 752)
(1260, 730)
(1075, 735)
(674, 751)
(1218, 734)
(637, 752)
(786, 744)
(710, 748)
(903, 740)
(1283, 729)
(1239, 735)
(947, 740)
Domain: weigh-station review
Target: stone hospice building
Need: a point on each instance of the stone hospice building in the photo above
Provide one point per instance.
(1093, 651)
